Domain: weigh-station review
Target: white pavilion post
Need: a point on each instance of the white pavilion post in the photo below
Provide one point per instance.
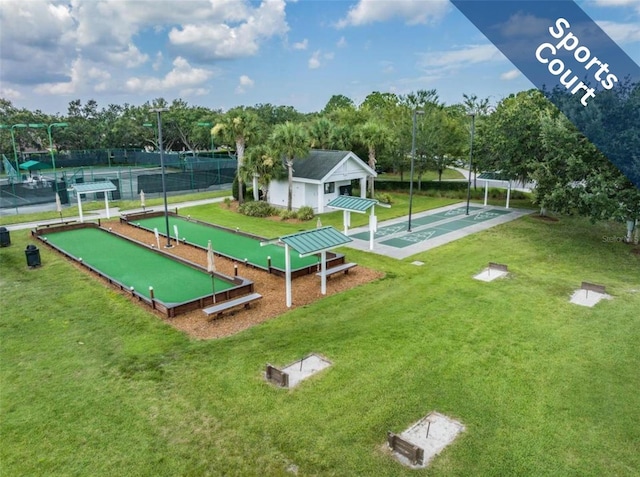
(486, 192)
(79, 205)
(106, 203)
(323, 272)
(508, 194)
(345, 221)
(373, 227)
(287, 273)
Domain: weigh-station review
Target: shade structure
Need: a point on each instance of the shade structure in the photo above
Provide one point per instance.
(34, 166)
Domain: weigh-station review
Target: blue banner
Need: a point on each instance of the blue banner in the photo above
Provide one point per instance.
(565, 54)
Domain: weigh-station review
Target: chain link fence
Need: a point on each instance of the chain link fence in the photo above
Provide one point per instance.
(34, 180)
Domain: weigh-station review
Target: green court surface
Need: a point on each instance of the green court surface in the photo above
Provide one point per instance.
(137, 267)
(387, 230)
(443, 225)
(228, 243)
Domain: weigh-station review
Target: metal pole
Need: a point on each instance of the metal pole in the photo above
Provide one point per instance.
(413, 158)
(473, 125)
(53, 160)
(158, 112)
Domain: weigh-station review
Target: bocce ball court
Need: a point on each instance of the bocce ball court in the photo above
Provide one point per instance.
(166, 283)
(232, 244)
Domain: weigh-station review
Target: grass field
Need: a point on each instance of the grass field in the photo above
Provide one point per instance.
(93, 385)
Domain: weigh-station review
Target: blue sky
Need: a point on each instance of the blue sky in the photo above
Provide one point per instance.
(224, 53)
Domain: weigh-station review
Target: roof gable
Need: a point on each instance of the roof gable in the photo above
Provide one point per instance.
(319, 163)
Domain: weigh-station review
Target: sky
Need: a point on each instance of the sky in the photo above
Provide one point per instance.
(224, 53)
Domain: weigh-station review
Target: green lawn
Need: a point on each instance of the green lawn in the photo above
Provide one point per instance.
(94, 385)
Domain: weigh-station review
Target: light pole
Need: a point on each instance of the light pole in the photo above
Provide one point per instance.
(13, 143)
(208, 124)
(473, 127)
(53, 157)
(159, 112)
(413, 159)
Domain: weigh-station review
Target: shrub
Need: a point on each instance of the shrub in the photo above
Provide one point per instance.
(287, 214)
(257, 209)
(305, 213)
(384, 198)
(227, 202)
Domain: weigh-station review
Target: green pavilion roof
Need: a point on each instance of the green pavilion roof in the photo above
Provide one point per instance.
(354, 204)
(315, 240)
(89, 187)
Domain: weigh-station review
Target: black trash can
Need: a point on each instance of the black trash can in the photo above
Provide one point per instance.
(33, 256)
(5, 238)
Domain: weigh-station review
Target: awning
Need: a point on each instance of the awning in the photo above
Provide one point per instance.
(34, 165)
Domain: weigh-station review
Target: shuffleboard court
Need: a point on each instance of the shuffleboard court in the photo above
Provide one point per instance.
(387, 230)
(226, 242)
(135, 266)
(440, 228)
(431, 229)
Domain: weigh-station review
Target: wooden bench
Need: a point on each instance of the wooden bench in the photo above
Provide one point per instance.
(593, 287)
(397, 444)
(219, 308)
(345, 267)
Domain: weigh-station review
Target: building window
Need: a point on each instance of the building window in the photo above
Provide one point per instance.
(329, 187)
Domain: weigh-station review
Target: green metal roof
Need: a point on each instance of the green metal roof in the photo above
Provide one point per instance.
(89, 187)
(354, 204)
(315, 240)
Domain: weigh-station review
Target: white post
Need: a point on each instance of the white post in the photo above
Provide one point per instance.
(508, 194)
(323, 272)
(106, 203)
(287, 273)
(373, 226)
(79, 206)
(344, 221)
(486, 192)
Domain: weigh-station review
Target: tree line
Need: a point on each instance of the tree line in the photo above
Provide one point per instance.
(523, 136)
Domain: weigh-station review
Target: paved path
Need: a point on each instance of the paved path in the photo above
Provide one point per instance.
(114, 212)
(431, 229)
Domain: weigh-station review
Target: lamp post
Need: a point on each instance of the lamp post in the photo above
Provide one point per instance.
(413, 159)
(159, 112)
(208, 124)
(53, 157)
(473, 127)
(13, 143)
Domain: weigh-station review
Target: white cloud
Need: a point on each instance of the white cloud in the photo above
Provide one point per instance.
(208, 40)
(244, 83)
(619, 3)
(510, 75)
(158, 61)
(342, 42)
(621, 32)
(314, 61)
(10, 94)
(412, 11)
(387, 67)
(181, 76)
(452, 59)
(301, 45)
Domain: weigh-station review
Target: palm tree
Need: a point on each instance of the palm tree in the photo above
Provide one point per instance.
(289, 140)
(259, 167)
(238, 126)
(374, 136)
(321, 131)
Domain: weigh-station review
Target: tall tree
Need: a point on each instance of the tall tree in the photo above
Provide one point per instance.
(288, 141)
(321, 132)
(238, 126)
(374, 137)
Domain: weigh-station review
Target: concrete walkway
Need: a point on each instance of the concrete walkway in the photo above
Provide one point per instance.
(114, 212)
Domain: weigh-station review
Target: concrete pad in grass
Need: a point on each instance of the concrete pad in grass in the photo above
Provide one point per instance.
(433, 433)
(294, 373)
(488, 275)
(588, 297)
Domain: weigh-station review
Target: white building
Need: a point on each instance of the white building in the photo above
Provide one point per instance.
(319, 178)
